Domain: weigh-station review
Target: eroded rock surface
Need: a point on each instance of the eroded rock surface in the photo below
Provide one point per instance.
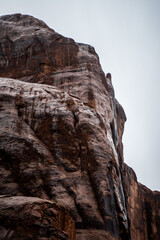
(61, 134)
(34, 218)
(143, 207)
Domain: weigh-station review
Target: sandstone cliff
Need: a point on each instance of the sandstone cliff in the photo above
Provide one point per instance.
(61, 140)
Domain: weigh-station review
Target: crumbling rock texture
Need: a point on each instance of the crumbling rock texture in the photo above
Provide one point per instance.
(61, 140)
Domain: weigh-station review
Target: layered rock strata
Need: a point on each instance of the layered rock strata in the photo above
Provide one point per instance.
(61, 136)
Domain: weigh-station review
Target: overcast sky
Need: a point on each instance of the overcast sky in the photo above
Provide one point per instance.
(126, 36)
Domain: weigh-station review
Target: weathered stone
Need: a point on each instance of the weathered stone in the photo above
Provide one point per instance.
(143, 207)
(34, 218)
(61, 134)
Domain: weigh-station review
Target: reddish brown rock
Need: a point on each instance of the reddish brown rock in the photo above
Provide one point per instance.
(50, 149)
(33, 218)
(61, 133)
(143, 207)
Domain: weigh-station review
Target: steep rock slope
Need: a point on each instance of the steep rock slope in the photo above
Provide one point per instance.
(61, 134)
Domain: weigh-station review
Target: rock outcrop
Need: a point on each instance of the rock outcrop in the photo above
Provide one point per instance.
(61, 140)
(143, 207)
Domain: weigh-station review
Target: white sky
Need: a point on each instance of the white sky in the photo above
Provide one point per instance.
(126, 36)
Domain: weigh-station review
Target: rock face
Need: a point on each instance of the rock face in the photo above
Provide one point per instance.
(61, 139)
(34, 218)
(143, 207)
